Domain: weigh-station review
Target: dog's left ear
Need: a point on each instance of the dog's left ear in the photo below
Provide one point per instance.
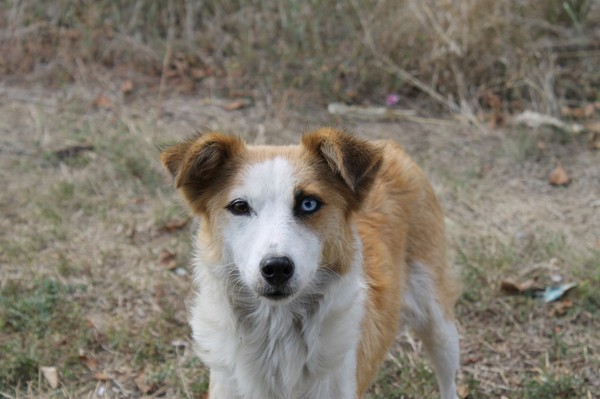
(356, 161)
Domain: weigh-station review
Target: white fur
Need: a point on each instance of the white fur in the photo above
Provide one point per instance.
(439, 335)
(303, 347)
(271, 230)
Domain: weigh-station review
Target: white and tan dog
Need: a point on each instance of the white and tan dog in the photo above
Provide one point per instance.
(307, 256)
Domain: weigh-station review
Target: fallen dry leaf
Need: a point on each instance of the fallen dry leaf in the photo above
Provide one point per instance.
(492, 100)
(51, 376)
(89, 362)
(512, 287)
(237, 104)
(102, 101)
(561, 307)
(126, 86)
(72, 151)
(587, 111)
(593, 126)
(200, 73)
(167, 259)
(101, 376)
(594, 143)
(174, 225)
(165, 256)
(463, 391)
(142, 384)
(471, 359)
(540, 145)
(496, 120)
(559, 177)
(485, 168)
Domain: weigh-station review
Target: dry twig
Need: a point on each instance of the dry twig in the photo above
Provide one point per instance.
(167, 57)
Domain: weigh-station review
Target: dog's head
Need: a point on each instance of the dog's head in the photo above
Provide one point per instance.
(276, 216)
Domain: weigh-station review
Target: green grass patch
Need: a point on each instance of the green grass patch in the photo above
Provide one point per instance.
(588, 275)
(40, 324)
(477, 258)
(198, 376)
(17, 367)
(37, 309)
(552, 387)
(403, 379)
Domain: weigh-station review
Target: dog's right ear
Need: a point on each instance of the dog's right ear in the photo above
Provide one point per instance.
(202, 165)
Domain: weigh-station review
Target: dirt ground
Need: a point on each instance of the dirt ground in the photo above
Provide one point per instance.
(94, 246)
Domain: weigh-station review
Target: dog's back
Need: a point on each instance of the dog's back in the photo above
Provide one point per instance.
(402, 230)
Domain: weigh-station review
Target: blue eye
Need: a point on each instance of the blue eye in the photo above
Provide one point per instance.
(308, 205)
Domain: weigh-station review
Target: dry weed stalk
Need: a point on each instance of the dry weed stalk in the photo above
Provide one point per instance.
(450, 54)
(166, 58)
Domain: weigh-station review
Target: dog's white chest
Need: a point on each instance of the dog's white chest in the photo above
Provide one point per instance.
(288, 351)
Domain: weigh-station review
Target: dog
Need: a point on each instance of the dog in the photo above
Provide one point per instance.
(308, 259)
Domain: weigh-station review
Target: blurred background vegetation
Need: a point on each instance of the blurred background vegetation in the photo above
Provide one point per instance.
(440, 55)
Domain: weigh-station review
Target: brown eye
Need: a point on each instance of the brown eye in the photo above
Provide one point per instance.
(239, 207)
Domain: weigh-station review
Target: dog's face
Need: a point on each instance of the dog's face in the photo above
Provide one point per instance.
(276, 216)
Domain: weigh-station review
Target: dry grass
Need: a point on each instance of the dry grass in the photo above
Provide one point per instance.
(538, 55)
(83, 287)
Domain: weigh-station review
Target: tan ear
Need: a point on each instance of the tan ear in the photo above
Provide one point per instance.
(202, 164)
(356, 161)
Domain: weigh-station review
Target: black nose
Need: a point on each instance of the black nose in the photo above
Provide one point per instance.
(277, 270)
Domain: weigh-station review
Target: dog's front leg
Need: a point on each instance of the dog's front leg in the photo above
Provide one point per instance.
(339, 384)
(221, 387)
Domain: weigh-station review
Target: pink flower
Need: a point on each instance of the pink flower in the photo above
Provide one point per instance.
(392, 99)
